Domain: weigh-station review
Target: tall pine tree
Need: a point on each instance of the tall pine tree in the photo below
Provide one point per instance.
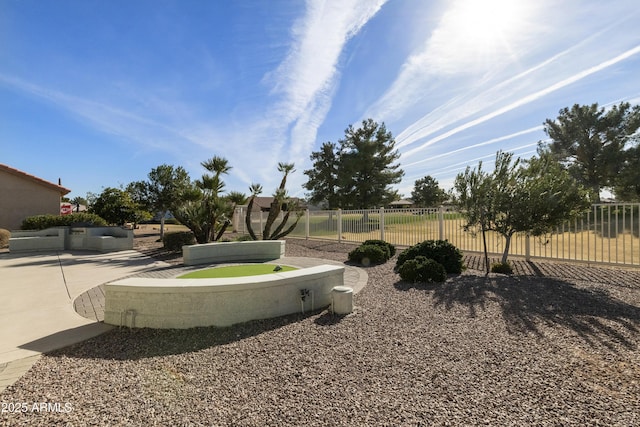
(358, 172)
(590, 142)
(323, 178)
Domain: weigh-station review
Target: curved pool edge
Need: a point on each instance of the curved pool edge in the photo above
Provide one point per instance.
(91, 304)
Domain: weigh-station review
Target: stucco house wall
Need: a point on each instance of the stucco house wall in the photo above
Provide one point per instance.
(23, 195)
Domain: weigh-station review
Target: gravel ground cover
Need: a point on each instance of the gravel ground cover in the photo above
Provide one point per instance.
(551, 345)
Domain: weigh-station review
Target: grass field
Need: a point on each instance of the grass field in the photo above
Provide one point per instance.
(607, 233)
(611, 237)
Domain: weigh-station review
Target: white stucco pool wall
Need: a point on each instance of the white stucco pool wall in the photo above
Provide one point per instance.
(187, 303)
(257, 250)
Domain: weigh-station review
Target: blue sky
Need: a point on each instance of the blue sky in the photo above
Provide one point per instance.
(98, 93)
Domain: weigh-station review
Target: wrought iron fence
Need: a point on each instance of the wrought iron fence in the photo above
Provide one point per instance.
(606, 234)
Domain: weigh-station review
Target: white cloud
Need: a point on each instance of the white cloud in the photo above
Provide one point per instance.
(103, 117)
(473, 36)
(310, 68)
(503, 97)
(459, 47)
(481, 144)
(282, 129)
(302, 89)
(307, 78)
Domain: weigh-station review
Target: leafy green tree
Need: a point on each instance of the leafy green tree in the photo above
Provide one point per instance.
(427, 193)
(533, 196)
(590, 142)
(115, 206)
(358, 172)
(166, 189)
(139, 192)
(91, 198)
(281, 203)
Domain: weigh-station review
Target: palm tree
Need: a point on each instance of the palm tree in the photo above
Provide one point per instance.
(217, 165)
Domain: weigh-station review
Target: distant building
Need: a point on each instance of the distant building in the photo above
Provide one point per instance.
(25, 195)
(400, 204)
(264, 203)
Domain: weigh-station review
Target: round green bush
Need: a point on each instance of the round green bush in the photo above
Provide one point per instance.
(421, 269)
(439, 250)
(369, 254)
(382, 244)
(176, 240)
(409, 270)
(502, 268)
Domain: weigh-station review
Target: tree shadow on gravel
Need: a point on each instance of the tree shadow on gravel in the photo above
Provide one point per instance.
(141, 343)
(527, 303)
(162, 254)
(473, 297)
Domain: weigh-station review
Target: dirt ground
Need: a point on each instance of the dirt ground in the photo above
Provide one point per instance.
(146, 239)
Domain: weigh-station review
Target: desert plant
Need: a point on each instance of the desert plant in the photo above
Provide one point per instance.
(382, 243)
(281, 203)
(422, 269)
(176, 240)
(439, 250)
(40, 222)
(203, 208)
(502, 268)
(369, 254)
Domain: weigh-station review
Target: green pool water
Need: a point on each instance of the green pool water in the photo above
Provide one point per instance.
(235, 271)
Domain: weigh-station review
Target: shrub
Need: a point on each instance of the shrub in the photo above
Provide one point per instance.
(382, 243)
(439, 250)
(4, 238)
(369, 254)
(422, 269)
(176, 240)
(40, 222)
(502, 268)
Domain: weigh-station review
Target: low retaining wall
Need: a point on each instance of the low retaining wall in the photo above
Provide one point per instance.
(102, 239)
(211, 253)
(187, 303)
(51, 239)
